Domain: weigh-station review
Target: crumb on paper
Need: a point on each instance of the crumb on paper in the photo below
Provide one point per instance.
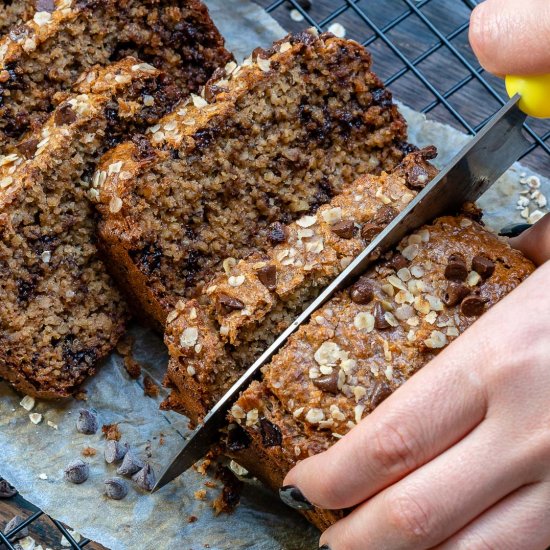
(125, 345)
(230, 495)
(88, 451)
(203, 466)
(133, 368)
(210, 484)
(200, 494)
(192, 519)
(111, 431)
(81, 395)
(43, 476)
(150, 388)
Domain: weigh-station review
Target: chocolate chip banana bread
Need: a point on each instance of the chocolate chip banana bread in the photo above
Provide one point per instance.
(366, 342)
(59, 310)
(14, 12)
(270, 141)
(65, 37)
(213, 338)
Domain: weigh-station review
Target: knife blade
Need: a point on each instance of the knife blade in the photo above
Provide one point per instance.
(471, 172)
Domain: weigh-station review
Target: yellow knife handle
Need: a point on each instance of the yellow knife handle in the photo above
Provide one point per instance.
(534, 91)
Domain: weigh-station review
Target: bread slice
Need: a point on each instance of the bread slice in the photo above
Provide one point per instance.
(355, 352)
(48, 53)
(59, 310)
(269, 142)
(15, 12)
(245, 307)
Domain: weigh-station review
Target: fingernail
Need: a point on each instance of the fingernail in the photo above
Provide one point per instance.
(514, 229)
(293, 497)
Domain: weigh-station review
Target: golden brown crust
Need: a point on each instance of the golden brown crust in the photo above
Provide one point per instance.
(194, 126)
(59, 310)
(337, 368)
(315, 250)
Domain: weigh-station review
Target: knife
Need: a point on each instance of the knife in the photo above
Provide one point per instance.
(478, 165)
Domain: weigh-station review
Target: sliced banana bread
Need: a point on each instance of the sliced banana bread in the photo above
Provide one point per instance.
(59, 311)
(269, 142)
(47, 53)
(14, 12)
(212, 339)
(366, 342)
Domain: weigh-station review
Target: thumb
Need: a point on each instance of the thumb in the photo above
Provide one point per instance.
(535, 242)
(512, 36)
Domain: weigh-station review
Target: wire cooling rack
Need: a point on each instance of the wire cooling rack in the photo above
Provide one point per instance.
(421, 51)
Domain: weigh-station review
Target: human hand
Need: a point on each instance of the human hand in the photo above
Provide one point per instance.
(459, 457)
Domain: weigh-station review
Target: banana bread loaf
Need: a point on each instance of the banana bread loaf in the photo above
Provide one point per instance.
(65, 37)
(244, 308)
(59, 311)
(270, 141)
(14, 12)
(366, 342)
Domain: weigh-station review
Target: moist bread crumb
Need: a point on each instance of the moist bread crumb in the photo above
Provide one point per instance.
(59, 310)
(46, 54)
(354, 353)
(265, 143)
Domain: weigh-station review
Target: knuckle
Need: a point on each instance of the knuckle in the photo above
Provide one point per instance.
(411, 518)
(393, 448)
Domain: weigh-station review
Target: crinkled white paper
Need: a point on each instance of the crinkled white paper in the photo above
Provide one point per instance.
(31, 452)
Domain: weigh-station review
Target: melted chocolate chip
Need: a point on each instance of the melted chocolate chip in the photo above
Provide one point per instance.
(268, 277)
(381, 392)
(455, 293)
(328, 383)
(277, 233)
(64, 115)
(385, 215)
(344, 229)
(398, 262)
(370, 230)
(472, 306)
(380, 321)
(237, 438)
(456, 269)
(382, 97)
(28, 147)
(362, 291)
(483, 265)
(417, 177)
(145, 150)
(271, 435)
(227, 304)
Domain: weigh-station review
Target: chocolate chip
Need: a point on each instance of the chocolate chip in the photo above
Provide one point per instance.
(116, 488)
(397, 262)
(268, 277)
(271, 435)
(6, 490)
(28, 147)
(130, 464)
(456, 269)
(145, 478)
(370, 230)
(380, 321)
(385, 215)
(64, 115)
(237, 438)
(381, 392)
(455, 293)
(328, 383)
(86, 423)
(344, 229)
(472, 306)
(45, 5)
(12, 524)
(227, 304)
(362, 291)
(77, 471)
(114, 451)
(483, 265)
(277, 233)
(417, 177)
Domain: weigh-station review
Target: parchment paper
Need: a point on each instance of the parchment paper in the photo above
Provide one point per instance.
(30, 452)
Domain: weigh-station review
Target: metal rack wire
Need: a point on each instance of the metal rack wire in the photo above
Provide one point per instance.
(421, 51)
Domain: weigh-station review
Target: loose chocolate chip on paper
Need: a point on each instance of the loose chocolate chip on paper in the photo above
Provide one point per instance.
(86, 423)
(114, 451)
(6, 490)
(116, 488)
(130, 464)
(77, 472)
(145, 478)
